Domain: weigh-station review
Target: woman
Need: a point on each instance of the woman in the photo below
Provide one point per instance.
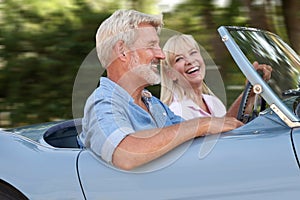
(183, 88)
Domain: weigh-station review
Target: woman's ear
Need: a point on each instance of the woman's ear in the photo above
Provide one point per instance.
(171, 74)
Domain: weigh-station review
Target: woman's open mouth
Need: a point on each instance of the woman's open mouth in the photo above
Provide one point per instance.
(192, 70)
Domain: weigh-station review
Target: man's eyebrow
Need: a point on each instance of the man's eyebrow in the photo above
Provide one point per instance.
(153, 42)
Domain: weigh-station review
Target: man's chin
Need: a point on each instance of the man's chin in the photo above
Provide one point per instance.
(154, 80)
(155, 83)
(152, 77)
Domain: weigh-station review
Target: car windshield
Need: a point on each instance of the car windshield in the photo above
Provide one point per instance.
(268, 48)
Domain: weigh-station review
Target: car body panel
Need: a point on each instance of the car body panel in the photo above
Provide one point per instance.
(241, 165)
(296, 143)
(39, 172)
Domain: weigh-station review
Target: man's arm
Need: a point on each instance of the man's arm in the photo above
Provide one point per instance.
(145, 146)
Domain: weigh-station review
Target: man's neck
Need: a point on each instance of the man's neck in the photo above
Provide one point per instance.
(128, 80)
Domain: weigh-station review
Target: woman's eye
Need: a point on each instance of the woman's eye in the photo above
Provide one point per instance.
(178, 59)
(194, 52)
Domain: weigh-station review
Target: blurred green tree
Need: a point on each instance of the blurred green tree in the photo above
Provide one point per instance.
(291, 13)
(44, 43)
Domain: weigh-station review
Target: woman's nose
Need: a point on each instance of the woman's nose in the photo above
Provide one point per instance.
(188, 60)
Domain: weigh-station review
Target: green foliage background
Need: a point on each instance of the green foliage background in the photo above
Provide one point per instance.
(43, 43)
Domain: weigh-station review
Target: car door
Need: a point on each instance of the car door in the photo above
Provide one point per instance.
(296, 143)
(255, 161)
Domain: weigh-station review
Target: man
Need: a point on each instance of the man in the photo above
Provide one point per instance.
(123, 123)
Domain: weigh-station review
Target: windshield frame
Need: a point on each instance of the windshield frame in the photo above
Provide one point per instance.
(255, 79)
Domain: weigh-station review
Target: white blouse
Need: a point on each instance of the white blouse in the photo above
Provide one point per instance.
(187, 109)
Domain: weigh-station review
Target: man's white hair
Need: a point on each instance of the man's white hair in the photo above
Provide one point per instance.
(120, 26)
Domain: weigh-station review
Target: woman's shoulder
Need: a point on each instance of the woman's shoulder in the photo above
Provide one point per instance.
(215, 105)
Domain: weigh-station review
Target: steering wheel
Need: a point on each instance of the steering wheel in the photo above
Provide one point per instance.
(259, 105)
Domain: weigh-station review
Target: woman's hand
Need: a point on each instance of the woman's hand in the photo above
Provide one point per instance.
(265, 69)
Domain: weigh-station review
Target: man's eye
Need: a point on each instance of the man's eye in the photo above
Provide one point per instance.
(153, 45)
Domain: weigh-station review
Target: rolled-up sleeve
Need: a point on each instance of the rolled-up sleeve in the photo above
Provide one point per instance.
(113, 141)
(104, 126)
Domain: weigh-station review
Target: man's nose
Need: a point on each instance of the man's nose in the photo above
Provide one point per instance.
(159, 54)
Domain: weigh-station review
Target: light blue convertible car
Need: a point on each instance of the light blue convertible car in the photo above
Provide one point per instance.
(256, 161)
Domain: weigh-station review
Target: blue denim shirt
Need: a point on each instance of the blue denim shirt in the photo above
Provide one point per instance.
(110, 114)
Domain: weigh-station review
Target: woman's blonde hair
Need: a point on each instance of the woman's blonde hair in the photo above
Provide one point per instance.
(121, 25)
(169, 87)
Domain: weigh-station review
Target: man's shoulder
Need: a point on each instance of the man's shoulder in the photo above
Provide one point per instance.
(109, 89)
(106, 84)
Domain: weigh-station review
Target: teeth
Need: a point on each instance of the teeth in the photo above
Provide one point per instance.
(155, 67)
(192, 70)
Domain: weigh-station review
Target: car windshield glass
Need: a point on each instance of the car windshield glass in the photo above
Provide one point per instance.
(268, 48)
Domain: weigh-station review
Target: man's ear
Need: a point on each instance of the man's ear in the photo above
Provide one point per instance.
(120, 50)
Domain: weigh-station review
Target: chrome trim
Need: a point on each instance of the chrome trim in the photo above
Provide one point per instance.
(257, 89)
(284, 118)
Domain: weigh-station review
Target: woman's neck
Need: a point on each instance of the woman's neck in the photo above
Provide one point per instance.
(198, 99)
